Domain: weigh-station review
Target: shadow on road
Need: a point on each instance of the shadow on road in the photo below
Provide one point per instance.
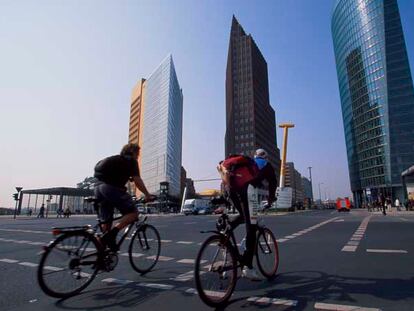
(109, 298)
(308, 287)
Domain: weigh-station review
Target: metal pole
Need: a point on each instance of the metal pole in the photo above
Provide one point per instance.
(15, 209)
(36, 203)
(310, 178)
(319, 186)
(285, 127)
(182, 202)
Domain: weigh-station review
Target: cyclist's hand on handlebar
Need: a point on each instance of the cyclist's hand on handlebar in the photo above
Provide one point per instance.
(150, 198)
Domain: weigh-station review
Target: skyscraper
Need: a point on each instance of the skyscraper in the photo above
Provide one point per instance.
(250, 120)
(377, 96)
(156, 125)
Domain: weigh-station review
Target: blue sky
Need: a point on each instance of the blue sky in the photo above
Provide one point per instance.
(68, 68)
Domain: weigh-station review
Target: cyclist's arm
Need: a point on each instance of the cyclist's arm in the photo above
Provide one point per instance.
(139, 183)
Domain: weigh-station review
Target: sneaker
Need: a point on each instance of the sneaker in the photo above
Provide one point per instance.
(251, 274)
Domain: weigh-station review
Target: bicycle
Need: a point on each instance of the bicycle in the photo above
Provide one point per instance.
(72, 261)
(219, 259)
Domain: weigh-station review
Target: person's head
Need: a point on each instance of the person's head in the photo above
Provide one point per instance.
(260, 153)
(130, 150)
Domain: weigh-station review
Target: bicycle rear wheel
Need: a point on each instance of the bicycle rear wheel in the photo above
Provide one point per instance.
(144, 249)
(267, 253)
(68, 265)
(215, 272)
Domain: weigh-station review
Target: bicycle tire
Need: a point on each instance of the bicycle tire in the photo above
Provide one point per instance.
(215, 303)
(260, 248)
(143, 230)
(46, 288)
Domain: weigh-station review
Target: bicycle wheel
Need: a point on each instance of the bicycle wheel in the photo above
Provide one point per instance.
(215, 272)
(267, 253)
(144, 248)
(68, 265)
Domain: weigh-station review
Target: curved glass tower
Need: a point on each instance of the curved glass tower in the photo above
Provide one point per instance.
(377, 95)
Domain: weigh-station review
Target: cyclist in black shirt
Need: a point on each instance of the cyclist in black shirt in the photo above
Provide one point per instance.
(113, 173)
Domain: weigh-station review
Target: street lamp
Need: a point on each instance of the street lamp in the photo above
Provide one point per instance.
(319, 186)
(310, 178)
(17, 198)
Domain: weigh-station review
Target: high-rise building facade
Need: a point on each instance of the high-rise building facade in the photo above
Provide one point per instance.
(250, 120)
(293, 179)
(156, 125)
(377, 96)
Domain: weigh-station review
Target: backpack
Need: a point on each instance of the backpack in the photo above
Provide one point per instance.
(237, 171)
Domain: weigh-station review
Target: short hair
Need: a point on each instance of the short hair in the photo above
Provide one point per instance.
(130, 149)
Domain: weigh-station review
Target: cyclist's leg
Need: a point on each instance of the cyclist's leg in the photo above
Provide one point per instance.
(250, 229)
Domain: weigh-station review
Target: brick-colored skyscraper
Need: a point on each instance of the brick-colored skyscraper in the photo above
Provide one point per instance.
(250, 120)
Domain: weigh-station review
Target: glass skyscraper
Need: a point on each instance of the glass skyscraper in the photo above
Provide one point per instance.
(377, 96)
(156, 125)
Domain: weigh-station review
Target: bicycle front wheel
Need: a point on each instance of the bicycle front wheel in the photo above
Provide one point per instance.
(267, 253)
(215, 272)
(144, 249)
(68, 265)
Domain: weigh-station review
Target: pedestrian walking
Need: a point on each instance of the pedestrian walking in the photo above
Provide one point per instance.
(41, 212)
(389, 204)
(382, 204)
(397, 204)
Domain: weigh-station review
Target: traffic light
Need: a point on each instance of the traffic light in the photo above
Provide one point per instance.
(16, 196)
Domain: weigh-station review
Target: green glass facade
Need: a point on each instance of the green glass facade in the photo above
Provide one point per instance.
(377, 95)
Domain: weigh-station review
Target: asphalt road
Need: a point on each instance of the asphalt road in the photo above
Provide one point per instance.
(328, 261)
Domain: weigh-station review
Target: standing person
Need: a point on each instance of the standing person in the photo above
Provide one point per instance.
(397, 204)
(382, 203)
(113, 173)
(41, 212)
(255, 171)
(389, 204)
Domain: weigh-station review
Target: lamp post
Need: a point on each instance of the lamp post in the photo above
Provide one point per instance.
(319, 186)
(310, 178)
(285, 127)
(17, 198)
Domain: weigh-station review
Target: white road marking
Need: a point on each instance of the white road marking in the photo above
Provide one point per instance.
(190, 261)
(185, 242)
(117, 281)
(349, 248)
(303, 231)
(184, 277)
(335, 307)
(191, 291)
(353, 243)
(135, 255)
(391, 251)
(281, 240)
(161, 258)
(274, 301)
(26, 231)
(28, 264)
(339, 220)
(166, 241)
(8, 260)
(51, 268)
(157, 286)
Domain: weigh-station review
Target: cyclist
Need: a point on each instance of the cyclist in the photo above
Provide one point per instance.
(113, 173)
(239, 197)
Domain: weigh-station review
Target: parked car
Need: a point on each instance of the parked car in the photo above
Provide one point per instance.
(206, 210)
(192, 206)
(188, 210)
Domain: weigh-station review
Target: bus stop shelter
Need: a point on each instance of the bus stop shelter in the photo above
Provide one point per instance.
(55, 199)
(408, 182)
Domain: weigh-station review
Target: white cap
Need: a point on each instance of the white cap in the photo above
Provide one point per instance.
(261, 153)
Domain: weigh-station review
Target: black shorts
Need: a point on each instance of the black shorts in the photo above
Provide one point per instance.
(111, 197)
